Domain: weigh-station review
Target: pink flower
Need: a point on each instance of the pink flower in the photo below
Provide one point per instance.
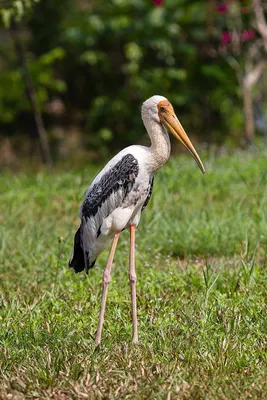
(248, 34)
(226, 38)
(223, 8)
(158, 3)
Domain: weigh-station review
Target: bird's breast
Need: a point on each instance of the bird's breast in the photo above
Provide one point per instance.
(131, 206)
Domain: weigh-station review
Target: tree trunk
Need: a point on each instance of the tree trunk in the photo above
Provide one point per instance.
(31, 93)
(249, 117)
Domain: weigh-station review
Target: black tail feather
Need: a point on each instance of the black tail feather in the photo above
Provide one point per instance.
(77, 262)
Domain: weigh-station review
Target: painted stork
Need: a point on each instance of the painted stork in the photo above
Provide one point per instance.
(120, 192)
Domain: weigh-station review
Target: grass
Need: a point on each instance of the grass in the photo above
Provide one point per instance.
(201, 268)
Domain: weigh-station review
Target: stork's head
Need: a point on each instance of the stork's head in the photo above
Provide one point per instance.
(160, 110)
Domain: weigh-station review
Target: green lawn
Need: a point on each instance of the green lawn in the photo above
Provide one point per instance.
(202, 279)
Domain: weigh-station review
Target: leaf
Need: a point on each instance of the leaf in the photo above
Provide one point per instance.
(6, 16)
(214, 70)
(57, 53)
(133, 51)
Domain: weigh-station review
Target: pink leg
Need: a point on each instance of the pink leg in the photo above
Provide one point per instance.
(132, 278)
(106, 281)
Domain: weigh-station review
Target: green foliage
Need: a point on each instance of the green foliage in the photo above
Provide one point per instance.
(120, 53)
(13, 99)
(15, 9)
(239, 45)
(133, 58)
(116, 55)
(201, 269)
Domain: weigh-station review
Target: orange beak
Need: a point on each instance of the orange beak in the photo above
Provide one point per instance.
(171, 122)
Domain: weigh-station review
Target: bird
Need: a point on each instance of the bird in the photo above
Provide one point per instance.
(119, 193)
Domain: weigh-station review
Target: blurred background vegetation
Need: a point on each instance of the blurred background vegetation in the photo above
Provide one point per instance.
(74, 73)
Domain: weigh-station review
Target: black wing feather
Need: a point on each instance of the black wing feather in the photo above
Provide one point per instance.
(120, 176)
(151, 182)
(77, 262)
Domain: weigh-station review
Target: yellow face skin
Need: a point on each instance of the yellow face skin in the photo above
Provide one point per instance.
(170, 121)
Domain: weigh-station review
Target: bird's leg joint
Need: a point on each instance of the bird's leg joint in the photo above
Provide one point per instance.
(106, 277)
(132, 277)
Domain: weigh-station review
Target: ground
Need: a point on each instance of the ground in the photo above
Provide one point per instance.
(201, 268)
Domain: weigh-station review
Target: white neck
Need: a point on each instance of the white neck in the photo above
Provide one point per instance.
(160, 143)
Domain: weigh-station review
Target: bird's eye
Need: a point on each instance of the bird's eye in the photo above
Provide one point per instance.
(162, 109)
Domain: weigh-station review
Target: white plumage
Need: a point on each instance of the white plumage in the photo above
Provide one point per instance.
(117, 212)
(120, 192)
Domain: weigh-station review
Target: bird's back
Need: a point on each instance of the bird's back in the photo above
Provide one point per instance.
(114, 198)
